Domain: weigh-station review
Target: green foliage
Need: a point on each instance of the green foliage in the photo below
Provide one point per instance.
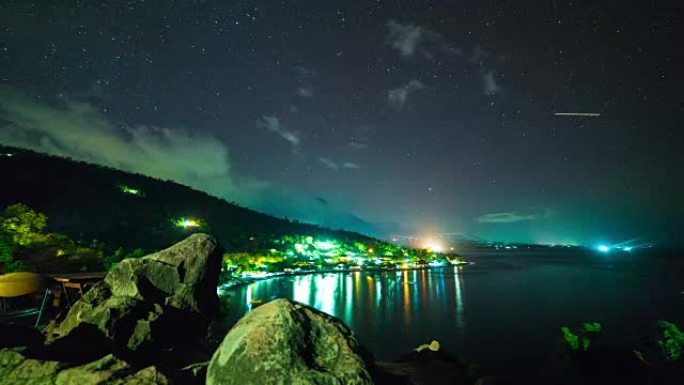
(591, 327)
(25, 245)
(22, 225)
(570, 338)
(580, 341)
(7, 262)
(670, 341)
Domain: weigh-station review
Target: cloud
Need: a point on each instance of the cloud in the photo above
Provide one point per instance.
(398, 97)
(409, 39)
(478, 56)
(405, 38)
(331, 164)
(79, 131)
(350, 165)
(489, 86)
(358, 144)
(478, 59)
(305, 78)
(272, 123)
(306, 92)
(513, 216)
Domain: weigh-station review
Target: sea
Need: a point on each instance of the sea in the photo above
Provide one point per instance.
(503, 311)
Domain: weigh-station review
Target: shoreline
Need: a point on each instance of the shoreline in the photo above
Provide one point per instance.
(235, 283)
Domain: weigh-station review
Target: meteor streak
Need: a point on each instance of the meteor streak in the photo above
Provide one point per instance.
(594, 114)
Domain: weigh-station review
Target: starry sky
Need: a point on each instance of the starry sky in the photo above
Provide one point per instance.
(393, 118)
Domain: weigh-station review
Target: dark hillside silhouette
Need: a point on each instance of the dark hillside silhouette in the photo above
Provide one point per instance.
(86, 202)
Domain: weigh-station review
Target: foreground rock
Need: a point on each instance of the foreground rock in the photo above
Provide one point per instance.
(285, 342)
(15, 368)
(147, 305)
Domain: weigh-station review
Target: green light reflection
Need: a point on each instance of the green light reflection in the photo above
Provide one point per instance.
(460, 313)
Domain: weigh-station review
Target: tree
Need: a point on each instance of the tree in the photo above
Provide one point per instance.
(23, 226)
(7, 262)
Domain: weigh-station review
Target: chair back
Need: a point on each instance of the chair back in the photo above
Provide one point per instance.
(18, 284)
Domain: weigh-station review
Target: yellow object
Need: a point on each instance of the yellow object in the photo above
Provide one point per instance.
(17, 284)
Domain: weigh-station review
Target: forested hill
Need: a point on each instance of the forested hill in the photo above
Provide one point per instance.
(89, 202)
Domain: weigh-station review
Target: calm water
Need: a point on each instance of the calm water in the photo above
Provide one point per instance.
(502, 311)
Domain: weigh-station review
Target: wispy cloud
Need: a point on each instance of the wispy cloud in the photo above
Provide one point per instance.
(305, 91)
(478, 59)
(331, 164)
(489, 85)
(350, 165)
(358, 144)
(398, 97)
(78, 130)
(513, 216)
(405, 38)
(410, 39)
(273, 124)
(305, 79)
(478, 56)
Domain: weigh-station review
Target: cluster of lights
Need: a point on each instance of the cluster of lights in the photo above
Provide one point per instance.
(299, 253)
(433, 246)
(187, 223)
(7, 154)
(607, 249)
(130, 190)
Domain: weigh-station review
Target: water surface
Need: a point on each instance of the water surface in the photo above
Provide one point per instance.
(503, 312)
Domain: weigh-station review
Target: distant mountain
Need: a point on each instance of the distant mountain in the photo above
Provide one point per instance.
(88, 202)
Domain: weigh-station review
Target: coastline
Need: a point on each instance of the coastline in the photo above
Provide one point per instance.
(235, 283)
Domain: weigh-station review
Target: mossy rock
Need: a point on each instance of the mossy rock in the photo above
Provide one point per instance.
(152, 303)
(285, 342)
(16, 369)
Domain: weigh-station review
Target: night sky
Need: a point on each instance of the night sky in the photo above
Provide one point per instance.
(396, 119)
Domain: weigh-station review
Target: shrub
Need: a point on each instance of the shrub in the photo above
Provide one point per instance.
(7, 262)
(581, 340)
(670, 341)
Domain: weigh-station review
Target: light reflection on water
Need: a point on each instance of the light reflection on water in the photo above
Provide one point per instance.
(369, 302)
(458, 280)
(481, 312)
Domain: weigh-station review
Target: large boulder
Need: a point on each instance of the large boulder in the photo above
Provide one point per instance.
(148, 304)
(17, 369)
(285, 342)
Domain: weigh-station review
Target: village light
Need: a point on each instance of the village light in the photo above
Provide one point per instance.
(130, 190)
(187, 223)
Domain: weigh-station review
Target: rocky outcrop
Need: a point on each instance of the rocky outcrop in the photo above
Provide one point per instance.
(15, 368)
(287, 342)
(149, 304)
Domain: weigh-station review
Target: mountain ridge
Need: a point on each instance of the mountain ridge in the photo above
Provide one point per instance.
(87, 201)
